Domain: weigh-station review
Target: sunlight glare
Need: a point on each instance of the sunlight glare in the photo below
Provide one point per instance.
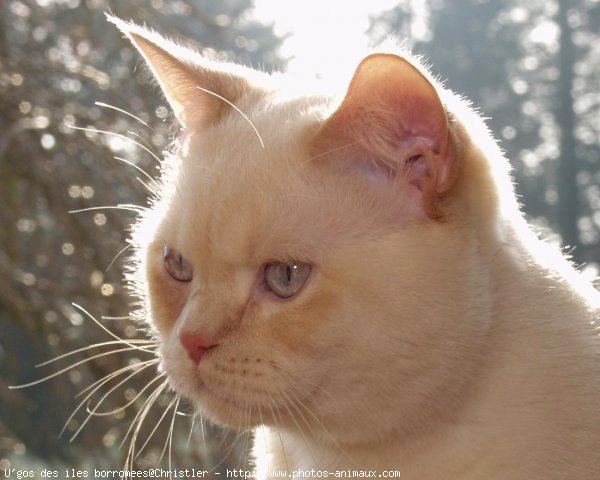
(322, 35)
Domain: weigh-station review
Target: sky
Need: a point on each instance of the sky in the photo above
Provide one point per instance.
(322, 33)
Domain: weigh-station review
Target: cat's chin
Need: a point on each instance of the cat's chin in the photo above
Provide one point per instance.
(225, 410)
(239, 411)
(233, 411)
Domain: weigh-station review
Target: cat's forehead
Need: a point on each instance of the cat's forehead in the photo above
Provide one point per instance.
(266, 141)
(241, 182)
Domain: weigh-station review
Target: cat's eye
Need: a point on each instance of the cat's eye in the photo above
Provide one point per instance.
(286, 279)
(177, 266)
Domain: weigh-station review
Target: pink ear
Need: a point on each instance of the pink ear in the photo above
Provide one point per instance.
(393, 117)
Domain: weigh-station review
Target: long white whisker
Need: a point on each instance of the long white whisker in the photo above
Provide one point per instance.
(202, 428)
(138, 168)
(106, 105)
(164, 414)
(104, 379)
(237, 110)
(123, 250)
(262, 421)
(138, 420)
(142, 139)
(230, 448)
(129, 208)
(294, 404)
(171, 434)
(285, 404)
(104, 397)
(191, 430)
(89, 347)
(249, 417)
(311, 413)
(95, 387)
(157, 391)
(124, 137)
(70, 367)
(129, 403)
(90, 316)
(278, 431)
(150, 189)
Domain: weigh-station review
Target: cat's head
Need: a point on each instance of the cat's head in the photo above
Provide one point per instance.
(306, 261)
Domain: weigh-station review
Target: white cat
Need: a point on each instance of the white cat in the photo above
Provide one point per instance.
(354, 274)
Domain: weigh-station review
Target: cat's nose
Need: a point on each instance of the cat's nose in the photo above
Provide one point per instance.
(195, 344)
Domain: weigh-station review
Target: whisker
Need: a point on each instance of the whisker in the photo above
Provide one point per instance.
(119, 135)
(248, 418)
(90, 316)
(70, 367)
(104, 397)
(229, 449)
(154, 361)
(164, 414)
(228, 452)
(138, 420)
(309, 411)
(191, 430)
(294, 381)
(297, 425)
(157, 391)
(150, 189)
(95, 386)
(262, 422)
(128, 404)
(142, 139)
(237, 110)
(123, 250)
(170, 436)
(106, 105)
(239, 430)
(202, 427)
(89, 347)
(129, 208)
(278, 431)
(138, 168)
(343, 147)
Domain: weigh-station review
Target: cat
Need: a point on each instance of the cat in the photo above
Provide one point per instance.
(350, 275)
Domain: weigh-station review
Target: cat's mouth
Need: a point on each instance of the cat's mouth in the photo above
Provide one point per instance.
(243, 400)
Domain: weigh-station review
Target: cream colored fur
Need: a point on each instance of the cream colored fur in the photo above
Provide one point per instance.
(444, 342)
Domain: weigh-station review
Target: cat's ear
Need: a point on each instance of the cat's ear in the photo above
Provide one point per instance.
(191, 84)
(392, 122)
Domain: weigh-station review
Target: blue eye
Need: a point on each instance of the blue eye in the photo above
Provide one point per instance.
(177, 266)
(286, 279)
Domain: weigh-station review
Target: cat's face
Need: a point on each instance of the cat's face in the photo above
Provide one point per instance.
(295, 279)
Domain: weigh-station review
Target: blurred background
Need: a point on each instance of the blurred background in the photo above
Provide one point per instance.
(532, 68)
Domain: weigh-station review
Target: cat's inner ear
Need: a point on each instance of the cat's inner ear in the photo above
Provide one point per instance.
(197, 89)
(392, 121)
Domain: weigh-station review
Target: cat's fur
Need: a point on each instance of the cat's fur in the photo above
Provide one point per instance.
(435, 336)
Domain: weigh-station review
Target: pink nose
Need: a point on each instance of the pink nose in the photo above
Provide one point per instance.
(195, 345)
